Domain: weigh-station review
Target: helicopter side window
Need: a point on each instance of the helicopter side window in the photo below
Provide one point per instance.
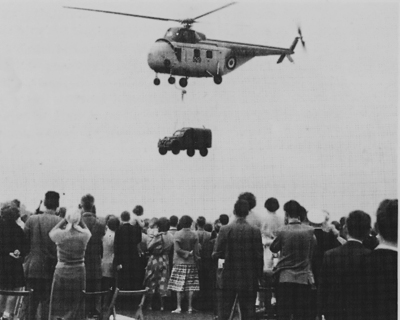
(209, 54)
(196, 55)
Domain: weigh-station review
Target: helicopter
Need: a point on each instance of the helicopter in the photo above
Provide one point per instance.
(187, 53)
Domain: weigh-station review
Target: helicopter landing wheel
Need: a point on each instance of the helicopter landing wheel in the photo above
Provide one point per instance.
(157, 81)
(217, 79)
(183, 82)
(171, 80)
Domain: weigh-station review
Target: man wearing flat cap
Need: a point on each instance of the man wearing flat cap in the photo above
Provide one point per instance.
(42, 258)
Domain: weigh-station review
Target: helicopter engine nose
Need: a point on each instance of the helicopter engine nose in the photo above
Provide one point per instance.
(161, 56)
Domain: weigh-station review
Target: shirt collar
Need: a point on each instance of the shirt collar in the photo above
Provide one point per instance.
(386, 246)
(352, 239)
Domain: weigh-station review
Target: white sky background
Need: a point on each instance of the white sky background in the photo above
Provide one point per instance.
(80, 114)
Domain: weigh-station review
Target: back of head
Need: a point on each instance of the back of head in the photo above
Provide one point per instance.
(387, 220)
(87, 202)
(125, 216)
(113, 223)
(271, 204)
(241, 208)
(163, 224)
(224, 219)
(185, 222)
(52, 200)
(73, 216)
(208, 227)
(138, 210)
(292, 209)
(358, 224)
(201, 221)
(250, 198)
(9, 212)
(173, 221)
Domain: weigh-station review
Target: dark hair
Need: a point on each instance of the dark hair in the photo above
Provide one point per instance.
(302, 214)
(387, 220)
(224, 219)
(113, 223)
(208, 227)
(163, 224)
(241, 208)
(201, 221)
(337, 225)
(9, 212)
(52, 200)
(271, 204)
(250, 198)
(138, 210)
(293, 209)
(358, 224)
(173, 221)
(185, 221)
(125, 216)
(87, 202)
(62, 211)
(17, 203)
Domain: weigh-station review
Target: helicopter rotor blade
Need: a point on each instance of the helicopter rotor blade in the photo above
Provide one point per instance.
(301, 37)
(227, 5)
(126, 14)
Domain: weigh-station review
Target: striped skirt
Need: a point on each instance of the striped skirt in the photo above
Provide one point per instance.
(184, 277)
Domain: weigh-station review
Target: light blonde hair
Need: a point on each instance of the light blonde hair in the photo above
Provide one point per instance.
(73, 217)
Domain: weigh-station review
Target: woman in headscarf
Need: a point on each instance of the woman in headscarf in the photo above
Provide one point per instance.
(159, 246)
(67, 301)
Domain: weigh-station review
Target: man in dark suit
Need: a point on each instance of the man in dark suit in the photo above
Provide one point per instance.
(340, 291)
(93, 253)
(381, 266)
(240, 245)
(42, 258)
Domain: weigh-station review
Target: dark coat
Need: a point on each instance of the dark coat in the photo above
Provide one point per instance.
(41, 248)
(94, 249)
(240, 245)
(325, 241)
(127, 238)
(381, 289)
(340, 291)
(11, 271)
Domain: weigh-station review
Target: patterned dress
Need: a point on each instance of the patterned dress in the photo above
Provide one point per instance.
(158, 268)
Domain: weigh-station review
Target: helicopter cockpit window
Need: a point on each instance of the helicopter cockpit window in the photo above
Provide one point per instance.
(209, 54)
(187, 36)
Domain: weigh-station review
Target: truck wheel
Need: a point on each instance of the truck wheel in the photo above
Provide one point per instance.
(203, 152)
(190, 152)
(176, 151)
(162, 151)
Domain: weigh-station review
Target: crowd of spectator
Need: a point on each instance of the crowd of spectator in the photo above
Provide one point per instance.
(299, 265)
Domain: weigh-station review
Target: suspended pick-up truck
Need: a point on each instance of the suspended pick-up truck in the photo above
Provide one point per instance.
(189, 139)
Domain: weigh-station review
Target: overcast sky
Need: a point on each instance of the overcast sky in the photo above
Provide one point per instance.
(80, 113)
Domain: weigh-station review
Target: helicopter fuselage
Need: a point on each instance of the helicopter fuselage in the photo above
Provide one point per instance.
(185, 52)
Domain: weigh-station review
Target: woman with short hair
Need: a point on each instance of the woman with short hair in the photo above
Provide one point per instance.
(185, 277)
(67, 300)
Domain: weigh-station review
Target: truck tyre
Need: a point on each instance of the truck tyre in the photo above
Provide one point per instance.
(176, 151)
(190, 152)
(175, 147)
(204, 152)
(162, 151)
